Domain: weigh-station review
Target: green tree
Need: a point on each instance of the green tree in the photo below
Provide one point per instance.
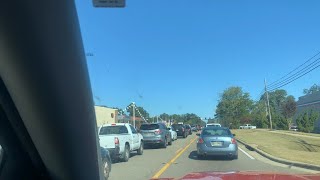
(138, 109)
(259, 115)
(289, 108)
(314, 88)
(234, 104)
(306, 120)
(280, 122)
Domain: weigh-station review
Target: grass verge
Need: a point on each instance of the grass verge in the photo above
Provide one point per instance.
(301, 149)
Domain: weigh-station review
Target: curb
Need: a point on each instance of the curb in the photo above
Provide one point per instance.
(280, 160)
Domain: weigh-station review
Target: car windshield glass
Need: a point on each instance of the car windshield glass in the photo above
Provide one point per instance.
(149, 126)
(113, 130)
(241, 71)
(216, 132)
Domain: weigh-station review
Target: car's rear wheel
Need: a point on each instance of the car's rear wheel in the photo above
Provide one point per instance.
(106, 168)
(164, 145)
(170, 142)
(184, 135)
(140, 150)
(126, 154)
(235, 156)
(200, 156)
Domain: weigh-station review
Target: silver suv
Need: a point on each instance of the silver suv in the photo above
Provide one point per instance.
(156, 134)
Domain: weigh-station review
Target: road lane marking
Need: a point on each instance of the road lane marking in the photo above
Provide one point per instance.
(246, 153)
(178, 150)
(167, 165)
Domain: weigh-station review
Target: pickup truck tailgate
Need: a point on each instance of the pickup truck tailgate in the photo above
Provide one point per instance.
(107, 141)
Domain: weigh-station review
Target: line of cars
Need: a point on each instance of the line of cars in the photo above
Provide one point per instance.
(118, 140)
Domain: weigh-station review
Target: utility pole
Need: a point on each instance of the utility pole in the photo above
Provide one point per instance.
(268, 105)
(134, 115)
(157, 119)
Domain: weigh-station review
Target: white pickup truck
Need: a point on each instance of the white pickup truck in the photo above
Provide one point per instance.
(120, 139)
(247, 126)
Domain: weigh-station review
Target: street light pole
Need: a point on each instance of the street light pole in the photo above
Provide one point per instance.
(134, 115)
(266, 91)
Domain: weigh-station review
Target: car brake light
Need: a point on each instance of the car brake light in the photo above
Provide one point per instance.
(157, 131)
(116, 141)
(233, 141)
(113, 124)
(200, 141)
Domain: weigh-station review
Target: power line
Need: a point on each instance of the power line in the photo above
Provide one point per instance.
(310, 66)
(294, 69)
(295, 78)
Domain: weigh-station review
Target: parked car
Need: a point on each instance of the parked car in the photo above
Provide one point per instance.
(174, 135)
(188, 128)
(181, 130)
(106, 162)
(120, 139)
(247, 126)
(194, 128)
(156, 134)
(213, 125)
(217, 141)
(293, 128)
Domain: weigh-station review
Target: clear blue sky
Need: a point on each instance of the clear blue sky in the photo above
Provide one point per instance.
(178, 56)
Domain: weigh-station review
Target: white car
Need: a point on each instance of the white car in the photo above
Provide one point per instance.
(174, 135)
(120, 139)
(213, 125)
(247, 126)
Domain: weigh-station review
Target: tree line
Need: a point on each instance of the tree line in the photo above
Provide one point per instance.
(187, 118)
(235, 107)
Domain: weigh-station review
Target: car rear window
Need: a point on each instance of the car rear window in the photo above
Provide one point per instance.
(149, 126)
(113, 130)
(216, 132)
(177, 126)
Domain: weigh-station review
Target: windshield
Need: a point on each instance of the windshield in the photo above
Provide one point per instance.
(113, 130)
(244, 69)
(149, 126)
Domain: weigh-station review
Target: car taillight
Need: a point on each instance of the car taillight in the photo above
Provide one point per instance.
(200, 141)
(233, 141)
(116, 141)
(157, 131)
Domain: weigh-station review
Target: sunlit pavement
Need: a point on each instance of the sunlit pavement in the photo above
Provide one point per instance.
(180, 158)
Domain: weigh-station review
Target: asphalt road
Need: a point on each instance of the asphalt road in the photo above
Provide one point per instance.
(180, 159)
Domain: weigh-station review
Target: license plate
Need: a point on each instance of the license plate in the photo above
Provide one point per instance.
(177, 130)
(148, 134)
(216, 143)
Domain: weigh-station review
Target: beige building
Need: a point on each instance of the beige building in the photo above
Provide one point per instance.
(105, 115)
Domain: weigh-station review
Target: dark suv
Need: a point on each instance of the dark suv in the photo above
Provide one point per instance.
(156, 134)
(181, 130)
(188, 128)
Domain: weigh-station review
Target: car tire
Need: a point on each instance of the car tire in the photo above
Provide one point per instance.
(170, 142)
(140, 150)
(126, 154)
(184, 135)
(200, 156)
(164, 145)
(106, 168)
(235, 156)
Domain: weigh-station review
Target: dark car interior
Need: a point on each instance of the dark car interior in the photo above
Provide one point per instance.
(47, 120)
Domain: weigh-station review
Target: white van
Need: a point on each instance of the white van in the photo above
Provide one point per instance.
(213, 125)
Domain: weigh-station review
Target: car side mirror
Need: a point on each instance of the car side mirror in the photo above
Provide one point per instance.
(234, 134)
(198, 134)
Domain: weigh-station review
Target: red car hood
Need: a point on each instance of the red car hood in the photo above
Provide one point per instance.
(256, 175)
